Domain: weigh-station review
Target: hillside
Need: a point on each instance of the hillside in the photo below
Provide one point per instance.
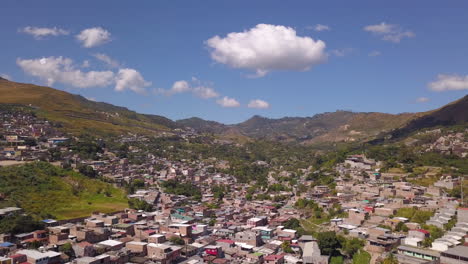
(48, 191)
(455, 113)
(77, 114)
(327, 127)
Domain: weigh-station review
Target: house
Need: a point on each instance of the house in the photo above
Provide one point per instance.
(137, 247)
(37, 257)
(414, 255)
(312, 255)
(248, 237)
(166, 254)
(274, 259)
(455, 255)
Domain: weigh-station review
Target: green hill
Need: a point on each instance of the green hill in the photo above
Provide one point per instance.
(46, 191)
(77, 114)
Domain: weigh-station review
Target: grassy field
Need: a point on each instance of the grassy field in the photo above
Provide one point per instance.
(46, 191)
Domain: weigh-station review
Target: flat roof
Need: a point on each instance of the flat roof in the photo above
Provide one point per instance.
(461, 251)
(420, 251)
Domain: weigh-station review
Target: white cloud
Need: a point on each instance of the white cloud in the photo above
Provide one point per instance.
(130, 79)
(63, 70)
(92, 37)
(107, 60)
(259, 104)
(5, 76)
(320, 27)
(422, 100)
(265, 48)
(228, 102)
(177, 88)
(85, 64)
(341, 52)
(196, 88)
(447, 82)
(389, 32)
(375, 53)
(40, 32)
(205, 92)
(91, 99)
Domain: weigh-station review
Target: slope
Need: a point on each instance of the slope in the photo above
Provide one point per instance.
(77, 114)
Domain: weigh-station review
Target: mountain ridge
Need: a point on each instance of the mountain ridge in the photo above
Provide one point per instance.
(78, 114)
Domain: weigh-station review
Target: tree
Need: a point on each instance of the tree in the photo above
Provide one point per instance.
(336, 260)
(328, 243)
(352, 246)
(401, 227)
(286, 247)
(87, 170)
(177, 240)
(67, 249)
(138, 204)
(292, 223)
(391, 259)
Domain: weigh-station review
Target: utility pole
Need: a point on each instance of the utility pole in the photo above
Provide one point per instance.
(461, 186)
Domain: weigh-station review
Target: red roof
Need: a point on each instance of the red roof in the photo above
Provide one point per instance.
(226, 241)
(17, 256)
(273, 257)
(423, 231)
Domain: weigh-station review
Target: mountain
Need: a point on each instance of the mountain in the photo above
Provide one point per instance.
(78, 114)
(326, 127)
(455, 113)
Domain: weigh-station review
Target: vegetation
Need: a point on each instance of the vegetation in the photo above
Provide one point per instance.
(138, 204)
(46, 191)
(362, 257)
(17, 224)
(414, 214)
(181, 188)
(177, 240)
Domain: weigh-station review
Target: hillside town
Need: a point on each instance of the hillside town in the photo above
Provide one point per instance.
(388, 214)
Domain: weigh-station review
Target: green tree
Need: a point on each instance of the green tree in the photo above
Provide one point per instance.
(177, 240)
(328, 243)
(391, 259)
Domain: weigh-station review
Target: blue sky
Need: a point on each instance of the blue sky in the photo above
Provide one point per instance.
(163, 57)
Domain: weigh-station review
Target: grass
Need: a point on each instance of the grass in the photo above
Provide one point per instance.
(78, 115)
(362, 257)
(46, 191)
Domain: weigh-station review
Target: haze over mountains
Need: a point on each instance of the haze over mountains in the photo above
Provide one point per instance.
(78, 114)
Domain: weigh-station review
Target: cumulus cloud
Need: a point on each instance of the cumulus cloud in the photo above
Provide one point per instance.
(41, 32)
(93, 37)
(265, 48)
(259, 104)
(447, 82)
(107, 60)
(374, 53)
(228, 102)
(320, 27)
(422, 100)
(389, 32)
(195, 88)
(205, 92)
(63, 70)
(130, 79)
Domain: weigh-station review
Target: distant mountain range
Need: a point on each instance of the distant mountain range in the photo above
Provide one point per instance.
(77, 114)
